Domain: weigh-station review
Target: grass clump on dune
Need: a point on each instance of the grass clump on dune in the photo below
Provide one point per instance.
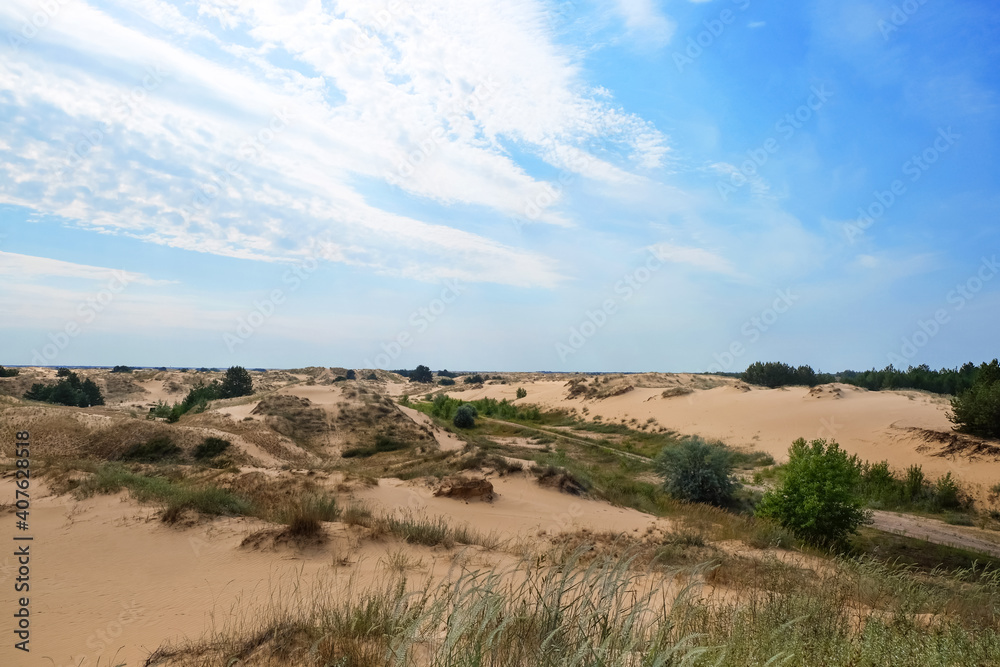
(177, 498)
(583, 611)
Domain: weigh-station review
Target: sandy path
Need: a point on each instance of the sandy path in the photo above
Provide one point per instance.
(938, 532)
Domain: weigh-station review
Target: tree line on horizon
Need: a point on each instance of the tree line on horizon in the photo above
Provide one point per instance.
(976, 389)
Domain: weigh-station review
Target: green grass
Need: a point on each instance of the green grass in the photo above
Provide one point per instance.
(584, 611)
(112, 478)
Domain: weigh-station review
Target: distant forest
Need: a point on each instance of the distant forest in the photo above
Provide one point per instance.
(944, 381)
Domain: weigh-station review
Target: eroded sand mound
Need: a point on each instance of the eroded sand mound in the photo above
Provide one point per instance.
(465, 488)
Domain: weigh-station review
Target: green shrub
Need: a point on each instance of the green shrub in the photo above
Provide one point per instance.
(521, 392)
(946, 493)
(473, 379)
(698, 472)
(446, 382)
(465, 416)
(776, 374)
(156, 449)
(818, 498)
(9, 372)
(210, 448)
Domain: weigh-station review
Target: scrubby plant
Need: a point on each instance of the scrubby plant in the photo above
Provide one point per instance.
(210, 448)
(9, 372)
(698, 472)
(446, 382)
(521, 392)
(473, 379)
(465, 416)
(818, 498)
(123, 369)
(156, 449)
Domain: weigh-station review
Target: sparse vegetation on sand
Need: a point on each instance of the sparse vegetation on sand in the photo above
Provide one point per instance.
(605, 610)
(70, 391)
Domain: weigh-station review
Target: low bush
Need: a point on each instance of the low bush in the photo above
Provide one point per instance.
(697, 471)
(465, 416)
(155, 450)
(210, 448)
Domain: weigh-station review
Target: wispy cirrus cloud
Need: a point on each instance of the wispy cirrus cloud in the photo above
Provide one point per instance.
(429, 104)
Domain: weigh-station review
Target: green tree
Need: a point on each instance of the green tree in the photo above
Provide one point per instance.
(92, 393)
(351, 375)
(421, 374)
(236, 383)
(698, 472)
(977, 410)
(521, 392)
(818, 497)
(465, 416)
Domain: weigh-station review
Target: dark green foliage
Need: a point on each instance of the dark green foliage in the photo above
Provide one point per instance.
(372, 376)
(236, 383)
(881, 489)
(447, 374)
(123, 369)
(210, 448)
(521, 392)
(473, 379)
(944, 381)
(445, 407)
(465, 416)
(68, 391)
(9, 372)
(156, 449)
(977, 409)
(446, 382)
(63, 373)
(421, 374)
(818, 498)
(698, 472)
(351, 375)
(776, 374)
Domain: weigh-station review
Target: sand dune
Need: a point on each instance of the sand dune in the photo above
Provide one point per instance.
(874, 425)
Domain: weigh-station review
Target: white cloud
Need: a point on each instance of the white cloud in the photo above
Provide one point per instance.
(644, 18)
(697, 257)
(433, 100)
(28, 267)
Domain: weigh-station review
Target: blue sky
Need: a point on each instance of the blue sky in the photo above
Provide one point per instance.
(513, 185)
